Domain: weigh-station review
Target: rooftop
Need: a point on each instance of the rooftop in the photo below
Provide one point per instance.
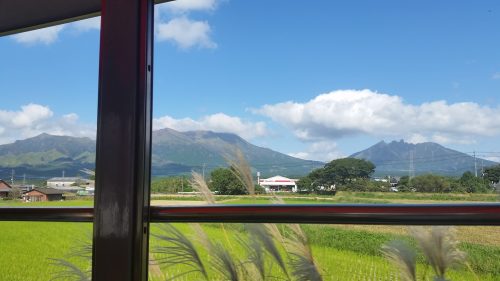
(65, 179)
(46, 191)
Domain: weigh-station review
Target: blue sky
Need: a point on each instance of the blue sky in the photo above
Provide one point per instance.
(314, 79)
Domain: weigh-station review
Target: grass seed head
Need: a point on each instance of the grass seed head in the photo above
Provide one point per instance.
(403, 257)
(440, 247)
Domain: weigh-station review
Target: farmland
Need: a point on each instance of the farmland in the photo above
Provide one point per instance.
(342, 252)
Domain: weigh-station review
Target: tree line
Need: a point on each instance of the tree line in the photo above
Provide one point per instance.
(346, 174)
(350, 174)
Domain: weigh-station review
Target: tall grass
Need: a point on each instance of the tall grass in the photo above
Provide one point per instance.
(283, 252)
(439, 246)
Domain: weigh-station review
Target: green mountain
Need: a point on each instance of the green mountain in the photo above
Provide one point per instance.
(396, 158)
(196, 150)
(173, 153)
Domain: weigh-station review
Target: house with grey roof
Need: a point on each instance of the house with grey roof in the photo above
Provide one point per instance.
(43, 194)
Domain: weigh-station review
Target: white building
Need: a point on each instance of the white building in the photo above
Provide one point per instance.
(70, 184)
(279, 183)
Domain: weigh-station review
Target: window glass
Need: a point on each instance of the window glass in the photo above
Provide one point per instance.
(328, 100)
(48, 85)
(328, 252)
(325, 103)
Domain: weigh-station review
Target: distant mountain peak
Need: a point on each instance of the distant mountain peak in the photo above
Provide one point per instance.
(396, 157)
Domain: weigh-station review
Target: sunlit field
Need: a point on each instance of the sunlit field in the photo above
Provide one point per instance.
(342, 252)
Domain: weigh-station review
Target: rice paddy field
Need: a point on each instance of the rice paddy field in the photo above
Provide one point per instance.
(342, 252)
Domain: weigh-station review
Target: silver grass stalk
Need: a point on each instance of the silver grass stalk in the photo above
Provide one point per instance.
(222, 261)
(403, 257)
(440, 248)
(241, 170)
(199, 184)
(83, 249)
(264, 234)
(255, 265)
(179, 251)
(69, 272)
(304, 267)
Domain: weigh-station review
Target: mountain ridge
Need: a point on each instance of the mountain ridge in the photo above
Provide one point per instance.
(173, 153)
(395, 158)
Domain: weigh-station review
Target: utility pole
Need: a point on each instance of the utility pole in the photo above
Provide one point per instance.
(12, 177)
(475, 164)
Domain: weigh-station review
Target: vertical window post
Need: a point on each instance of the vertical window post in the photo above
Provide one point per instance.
(121, 224)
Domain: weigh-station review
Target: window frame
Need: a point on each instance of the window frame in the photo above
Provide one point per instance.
(122, 213)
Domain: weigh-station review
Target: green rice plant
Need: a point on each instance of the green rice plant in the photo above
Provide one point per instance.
(71, 271)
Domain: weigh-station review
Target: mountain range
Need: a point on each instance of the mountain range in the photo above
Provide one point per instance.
(402, 158)
(173, 153)
(182, 152)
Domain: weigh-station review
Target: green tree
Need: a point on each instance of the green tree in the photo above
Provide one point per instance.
(404, 180)
(305, 184)
(430, 183)
(346, 170)
(473, 184)
(492, 174)
(171, 185)
(225, 182)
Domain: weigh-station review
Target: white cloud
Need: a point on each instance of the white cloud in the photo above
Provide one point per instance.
(322, 151)
(356, 112)
(493, 158)
(185, 33)
(50, 35)
(34, 119)
(182, 6)
(496, 76)
(218, 122)
(29, 115)
(45, 36)
(417, 138)
(87, 24)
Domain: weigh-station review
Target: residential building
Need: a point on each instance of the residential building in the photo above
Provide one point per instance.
(43, 194)
(5, 189)
(70, 184)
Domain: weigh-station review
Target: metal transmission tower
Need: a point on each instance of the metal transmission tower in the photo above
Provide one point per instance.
(411, 170)
(475, 164)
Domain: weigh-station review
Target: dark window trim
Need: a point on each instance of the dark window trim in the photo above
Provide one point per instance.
(383, 214)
